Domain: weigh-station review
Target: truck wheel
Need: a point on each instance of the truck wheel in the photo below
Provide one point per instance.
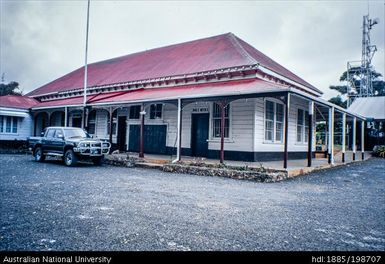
(97, 161)
(70, 159)
(38, 154)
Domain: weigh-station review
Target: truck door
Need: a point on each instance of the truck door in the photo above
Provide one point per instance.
(57, 143)
(47, 140)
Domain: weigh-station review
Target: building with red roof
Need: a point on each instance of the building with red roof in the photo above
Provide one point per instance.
(15, 119)
(216, 97)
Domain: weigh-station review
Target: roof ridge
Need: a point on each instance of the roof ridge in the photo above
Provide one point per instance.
(241, 49)
(157, 48)
(225, 50)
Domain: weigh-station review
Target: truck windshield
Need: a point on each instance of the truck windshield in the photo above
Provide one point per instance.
(72, 133)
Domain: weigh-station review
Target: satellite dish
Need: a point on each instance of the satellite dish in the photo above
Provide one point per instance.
(375, 21)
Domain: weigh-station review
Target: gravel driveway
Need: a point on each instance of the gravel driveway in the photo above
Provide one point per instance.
(48, 206)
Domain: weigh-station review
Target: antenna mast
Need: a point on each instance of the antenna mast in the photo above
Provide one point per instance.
(359, 73)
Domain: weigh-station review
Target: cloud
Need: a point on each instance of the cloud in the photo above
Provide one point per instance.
(43, 40)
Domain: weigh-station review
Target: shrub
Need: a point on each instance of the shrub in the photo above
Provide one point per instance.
(13, 146)
(379, 151)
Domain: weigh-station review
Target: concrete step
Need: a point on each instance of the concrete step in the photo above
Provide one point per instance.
(149, 165)
(155, 161)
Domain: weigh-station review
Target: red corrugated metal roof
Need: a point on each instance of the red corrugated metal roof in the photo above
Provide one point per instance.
(63, 102)
(240, 87)
(16, 101)
(272, 65)
(206, 54)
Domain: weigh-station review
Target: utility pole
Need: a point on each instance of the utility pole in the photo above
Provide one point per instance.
(86, 71)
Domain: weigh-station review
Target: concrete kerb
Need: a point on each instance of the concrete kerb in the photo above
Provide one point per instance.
(201, 168)
(306, 170)
(259, 174)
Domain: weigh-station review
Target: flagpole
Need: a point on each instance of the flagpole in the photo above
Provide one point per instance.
(85, 67)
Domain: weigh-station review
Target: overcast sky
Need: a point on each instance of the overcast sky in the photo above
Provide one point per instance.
(43, 40)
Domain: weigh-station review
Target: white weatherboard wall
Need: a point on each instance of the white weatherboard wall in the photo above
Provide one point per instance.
(241, 125)
(24, 126)
(186, 121)
(101, 124)
(169, 113)
(261, 145)
(246, 125)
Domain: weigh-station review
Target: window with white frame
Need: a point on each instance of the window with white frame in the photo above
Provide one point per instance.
(274, 116)
(302, 126)
(92, 123)
(217, 121)
(8, 124)
(156, 111)
(135, 112)
(114, 123)
(306, 134)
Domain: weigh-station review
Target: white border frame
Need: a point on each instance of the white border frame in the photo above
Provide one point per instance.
(218, 139)
(302, 142)
(275, 101)
(12, 123)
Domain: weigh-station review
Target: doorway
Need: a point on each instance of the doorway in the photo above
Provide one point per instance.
(77, 122)
(154, 139)
(122, 130)
(199, 135)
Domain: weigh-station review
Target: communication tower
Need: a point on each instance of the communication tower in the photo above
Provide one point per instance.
(359, 73)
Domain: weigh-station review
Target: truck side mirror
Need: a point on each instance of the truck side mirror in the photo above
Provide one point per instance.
(42, 134)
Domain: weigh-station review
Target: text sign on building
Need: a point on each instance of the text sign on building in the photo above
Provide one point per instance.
(200, 110)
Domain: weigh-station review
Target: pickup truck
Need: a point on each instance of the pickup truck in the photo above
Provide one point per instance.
(70, 143)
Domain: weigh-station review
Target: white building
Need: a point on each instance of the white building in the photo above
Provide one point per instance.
(15, 118)
(373, 108)
(216, 97)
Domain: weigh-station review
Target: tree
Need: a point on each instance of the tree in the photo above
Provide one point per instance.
(338, 101)
(377, 83)
(11, 88)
